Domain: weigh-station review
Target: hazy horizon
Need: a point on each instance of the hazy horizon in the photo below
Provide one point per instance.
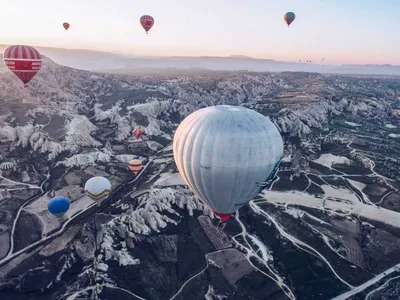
(341, 32)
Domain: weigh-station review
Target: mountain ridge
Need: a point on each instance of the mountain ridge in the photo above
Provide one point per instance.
(95, 60)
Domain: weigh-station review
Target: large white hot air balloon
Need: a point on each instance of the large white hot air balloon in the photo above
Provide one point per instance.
(98, 188)
(225, 154)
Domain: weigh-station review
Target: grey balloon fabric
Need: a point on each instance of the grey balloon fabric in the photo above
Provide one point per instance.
(98, 188)
(224, 152)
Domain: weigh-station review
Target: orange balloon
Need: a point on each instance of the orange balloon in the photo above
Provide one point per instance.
(66, 26)
(135, 165)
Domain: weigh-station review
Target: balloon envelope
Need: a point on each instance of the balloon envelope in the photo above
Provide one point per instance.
(289, 17)
(23, 61)
(6, 166)
(58, 206)
(98, 188)
(137, 133)
(66, 25)
(135, 165)
(224, 153)
(147, 22)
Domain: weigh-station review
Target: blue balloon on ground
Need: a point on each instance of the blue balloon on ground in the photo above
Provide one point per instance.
(58, 206)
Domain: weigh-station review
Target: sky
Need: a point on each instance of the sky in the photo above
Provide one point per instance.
(341, 31)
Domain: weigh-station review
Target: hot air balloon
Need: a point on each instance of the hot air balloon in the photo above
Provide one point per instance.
(6, 168)
(58, 206)
(147, 22)
(98, 188)
(23, 61)
(226, 154)
(289, 18)
(135, 165)
(137, 133)
(66, 25)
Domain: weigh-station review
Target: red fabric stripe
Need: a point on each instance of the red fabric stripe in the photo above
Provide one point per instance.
(13, 51)
(7, 53)
(25, 52)
(37, 53)
(31, 52)
(223, 217)
(19, 52)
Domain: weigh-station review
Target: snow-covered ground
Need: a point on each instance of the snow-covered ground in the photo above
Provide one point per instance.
(390, 126)
(168, 179)
(338, 193)
(50, 222)
(328, 160)
(125, 158)
(350, 206)
(352, 124)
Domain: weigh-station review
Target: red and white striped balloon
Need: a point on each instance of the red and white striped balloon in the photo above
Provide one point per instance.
(23, 61)
(147, 22)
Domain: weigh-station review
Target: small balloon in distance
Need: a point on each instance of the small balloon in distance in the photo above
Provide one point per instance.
(147, 22)
(289, 18)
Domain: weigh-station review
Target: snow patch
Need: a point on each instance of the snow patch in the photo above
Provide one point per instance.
(168, 179)
(352, 124)
(329, 159)
(338, 193)
(85, 159)
(390, 126)
(212, 295)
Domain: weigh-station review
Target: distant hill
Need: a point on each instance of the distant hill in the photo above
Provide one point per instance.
(119, 63)
(80, 58)
(232, 63)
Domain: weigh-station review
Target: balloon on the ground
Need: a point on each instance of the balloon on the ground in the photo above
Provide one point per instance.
(58, 206)
(66, 25)
(23, 61)
(225, 154)
(289, 18)
(98, 188)
(147, 22)
(135, 165)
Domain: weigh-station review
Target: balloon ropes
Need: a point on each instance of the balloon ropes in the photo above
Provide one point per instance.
(23, 61)
(225, 154)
